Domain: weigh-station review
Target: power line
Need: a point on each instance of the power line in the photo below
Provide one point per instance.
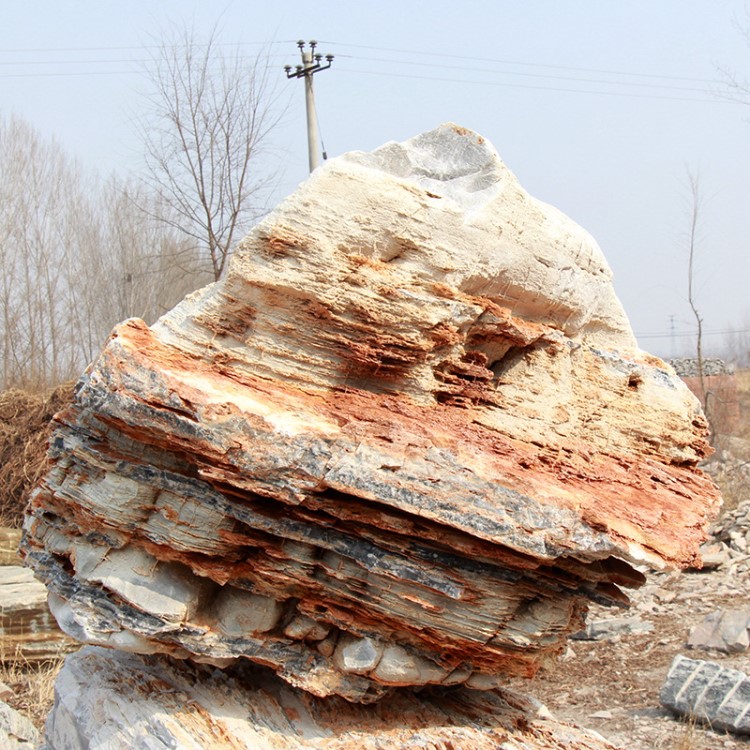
(689, 334)
(532, 75)
(57, 74)
(495, 61)
(556, 66)
(109, 60)
(68, 73)
(506, 84)
(437, 79)
(136, 47)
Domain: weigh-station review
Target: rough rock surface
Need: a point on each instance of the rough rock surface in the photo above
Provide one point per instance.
(16, 731)
(708, 692)
(106, 700)
(28, 631)
(722, 630)
(403, 442)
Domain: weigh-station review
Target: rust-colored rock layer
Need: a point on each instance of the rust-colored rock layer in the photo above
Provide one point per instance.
(404, 442)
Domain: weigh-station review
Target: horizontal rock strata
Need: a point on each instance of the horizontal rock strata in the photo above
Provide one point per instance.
(106, 700)
(403, 442)
(28, 631)
(10, 540)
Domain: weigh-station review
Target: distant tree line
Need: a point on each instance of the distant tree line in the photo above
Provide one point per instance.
(77, 256)
(79, 253)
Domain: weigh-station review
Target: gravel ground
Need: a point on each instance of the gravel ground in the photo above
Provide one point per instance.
(612, 686)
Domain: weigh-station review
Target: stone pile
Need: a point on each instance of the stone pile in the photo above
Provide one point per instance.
(688, 367)
(403, 443)
(734, 528)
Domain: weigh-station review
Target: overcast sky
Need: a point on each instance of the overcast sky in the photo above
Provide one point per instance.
(598, 106)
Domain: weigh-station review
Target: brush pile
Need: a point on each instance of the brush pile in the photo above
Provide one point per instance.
(24, 431)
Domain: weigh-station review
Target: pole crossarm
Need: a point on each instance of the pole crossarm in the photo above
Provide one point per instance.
(312, 62)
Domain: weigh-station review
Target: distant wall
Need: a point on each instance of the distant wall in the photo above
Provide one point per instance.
(720, 394)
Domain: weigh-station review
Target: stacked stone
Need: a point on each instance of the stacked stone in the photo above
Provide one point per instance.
(28, 631)
(733, 533)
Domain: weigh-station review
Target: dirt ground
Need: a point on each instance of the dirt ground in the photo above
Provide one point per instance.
(612, 686)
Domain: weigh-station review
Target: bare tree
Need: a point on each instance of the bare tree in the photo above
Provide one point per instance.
(76, 257)
(206, 125)
(736, 87)
(695, 210)
(141, 277)
(42, 209)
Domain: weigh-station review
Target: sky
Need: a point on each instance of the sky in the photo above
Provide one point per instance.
(600, 107)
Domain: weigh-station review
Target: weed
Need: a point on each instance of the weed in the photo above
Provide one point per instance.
(33, 685)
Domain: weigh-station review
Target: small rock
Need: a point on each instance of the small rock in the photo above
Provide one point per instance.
(400, 667)
(714, 555)
(328, 644)
(601, 630)
(299, 627)
(723, 630)
(601, 715)
(569, 654)
(458, 675)
(239, 612)
(357, 655)
(6, 692)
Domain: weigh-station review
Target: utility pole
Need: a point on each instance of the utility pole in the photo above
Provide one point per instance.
(672, 336)
(311, 64)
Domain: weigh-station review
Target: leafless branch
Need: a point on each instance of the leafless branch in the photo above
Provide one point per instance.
(205, 128)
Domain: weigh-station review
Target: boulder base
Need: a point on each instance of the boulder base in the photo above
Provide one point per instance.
(107, 700)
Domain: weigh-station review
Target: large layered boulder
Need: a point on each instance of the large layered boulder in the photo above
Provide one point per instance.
(404, 442)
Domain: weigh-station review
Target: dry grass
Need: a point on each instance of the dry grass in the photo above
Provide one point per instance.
(687, 738)
(33, 686)
(24, 432)
(743, 396)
